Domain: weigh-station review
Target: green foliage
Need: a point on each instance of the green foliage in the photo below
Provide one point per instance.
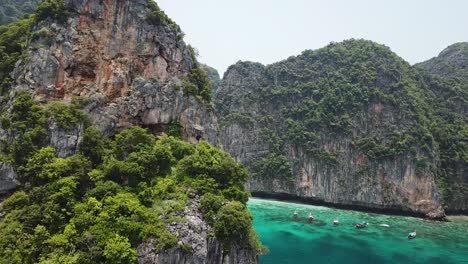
(13, 40)
(26, 113)
(178, 148)
(325, 156)
(28, 122)
(119, 251)
(242, 119)
(274, 166)
(174, 129)
(233, 223)
(34, 170)
(12, 10)
(396, 144)
(299, 135)
(54, 9)
(17, 200)
(157, 17)
(43, 33)
(272, 140)
(193, 53)
(208, 162)
(67, 116)
(234, 193)
(97, 206)
(93, 145)
(210, 205)
(130, 140)
(373, 150)
(198, 84)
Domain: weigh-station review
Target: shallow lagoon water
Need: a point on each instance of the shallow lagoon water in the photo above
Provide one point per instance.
(298, 241)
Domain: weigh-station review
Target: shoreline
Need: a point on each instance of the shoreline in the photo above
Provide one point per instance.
(398, 211)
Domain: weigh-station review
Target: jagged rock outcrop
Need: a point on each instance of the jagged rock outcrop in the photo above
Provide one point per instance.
(129, 71)
(343, 125)
(195, 245)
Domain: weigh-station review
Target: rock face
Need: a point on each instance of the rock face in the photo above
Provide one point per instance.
(128, 70)
(194, 246)
(451, 62)
(450, 70)
(332, 125)
(214, 77)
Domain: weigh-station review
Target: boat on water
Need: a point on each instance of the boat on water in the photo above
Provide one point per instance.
(361, 225)
(412, 235)
(336, 222)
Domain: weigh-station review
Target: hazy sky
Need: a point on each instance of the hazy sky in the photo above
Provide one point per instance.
(266, 31)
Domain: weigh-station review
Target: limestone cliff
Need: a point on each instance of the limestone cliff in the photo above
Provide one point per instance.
(128, 65)
(449, 84)
(347, 125)
(127, 69)
(130, 69)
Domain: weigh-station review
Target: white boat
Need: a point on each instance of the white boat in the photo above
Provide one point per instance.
(336, 222)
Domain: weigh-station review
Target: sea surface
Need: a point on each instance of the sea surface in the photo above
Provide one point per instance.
(298, 241)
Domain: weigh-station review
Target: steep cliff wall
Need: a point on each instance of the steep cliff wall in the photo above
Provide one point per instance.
(449, 84)
(130, 69)
(345, 124)
(113, 65)
(126, 69)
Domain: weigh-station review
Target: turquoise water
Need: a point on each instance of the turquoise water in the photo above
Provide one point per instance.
(298, 241)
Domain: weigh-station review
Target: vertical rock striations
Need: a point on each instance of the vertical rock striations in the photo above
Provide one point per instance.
(349, 124)
(126, 69)
(449, 84)
(129, 69)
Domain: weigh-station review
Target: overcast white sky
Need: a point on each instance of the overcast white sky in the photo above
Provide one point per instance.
(266, 31)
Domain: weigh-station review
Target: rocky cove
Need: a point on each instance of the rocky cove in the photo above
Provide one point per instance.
(350, 125)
